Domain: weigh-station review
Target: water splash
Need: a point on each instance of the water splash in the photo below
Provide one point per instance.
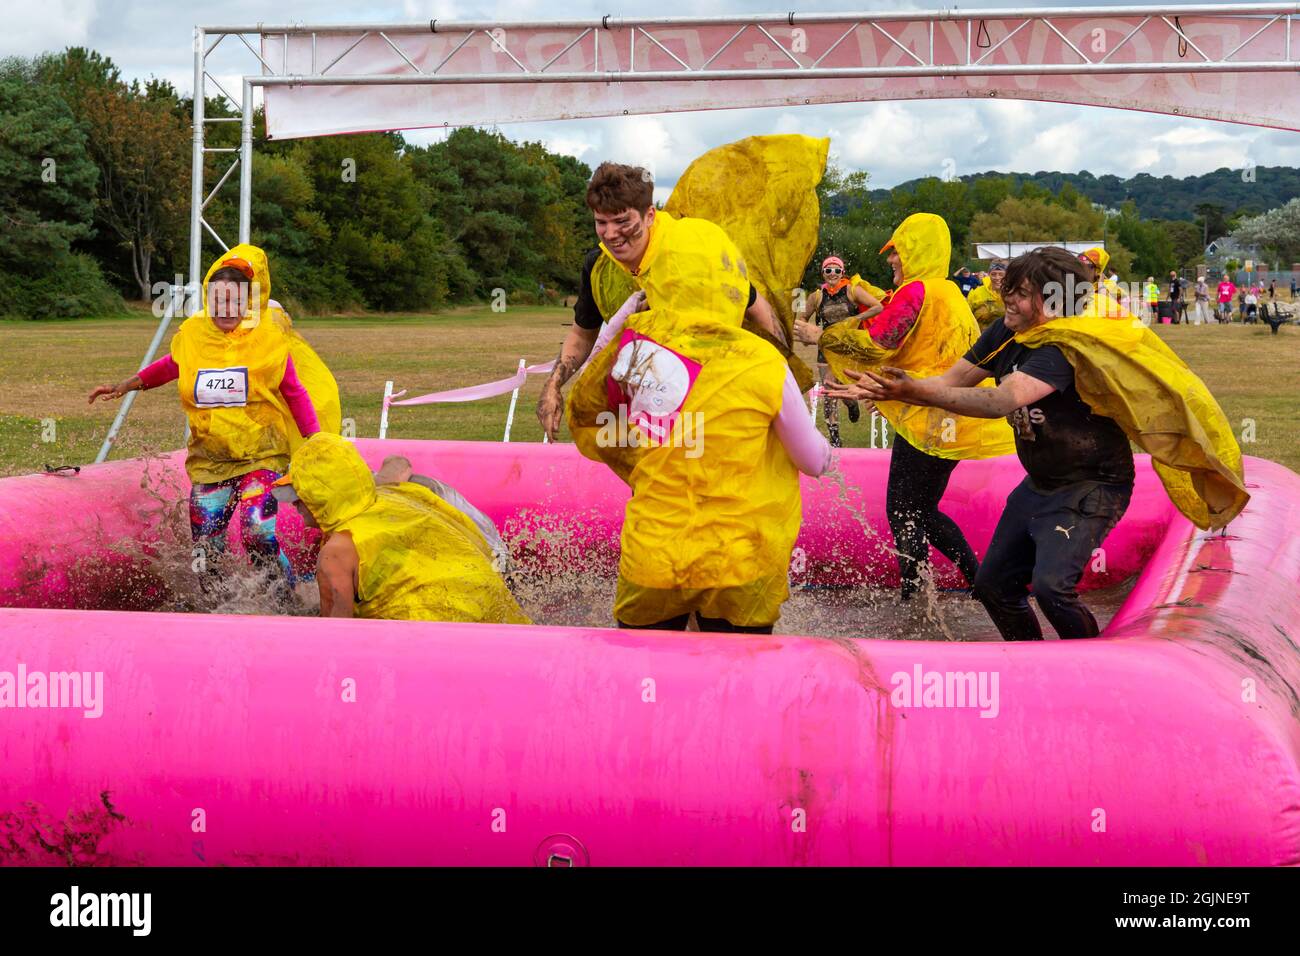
(564, 573)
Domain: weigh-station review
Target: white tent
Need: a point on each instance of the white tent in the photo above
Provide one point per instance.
(1009, 250)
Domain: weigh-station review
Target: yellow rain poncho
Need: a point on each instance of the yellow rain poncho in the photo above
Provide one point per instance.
(611, 284)
(1123, 371)
(229, 386)
(942, 333)
(875, 290)
(715, 506)
(1106, 304)
(419, 558)
(985, 303)
(312, 372)
(762, 192)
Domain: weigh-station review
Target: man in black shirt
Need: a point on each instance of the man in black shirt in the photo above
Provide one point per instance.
(1079, 465)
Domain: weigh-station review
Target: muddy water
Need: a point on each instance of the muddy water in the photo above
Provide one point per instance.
(858, 612)
(562, 576)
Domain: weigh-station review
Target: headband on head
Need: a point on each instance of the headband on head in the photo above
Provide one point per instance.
(234, 262)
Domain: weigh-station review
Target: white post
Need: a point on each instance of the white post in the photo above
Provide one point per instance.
(196, 166)
(813, 393)
(246, 166)
(383, 414)
(514, 398)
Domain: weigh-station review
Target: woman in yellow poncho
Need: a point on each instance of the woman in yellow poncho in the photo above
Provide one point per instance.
(683, 404)
(925, 327)
(397, 551)
(1077, 388)
(252, 389)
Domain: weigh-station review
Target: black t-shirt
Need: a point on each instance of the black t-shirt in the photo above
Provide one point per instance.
(1058, 438)
(1175, 289)
(586, 315)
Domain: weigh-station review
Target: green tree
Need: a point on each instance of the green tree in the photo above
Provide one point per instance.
(139, 142)
(47, 204)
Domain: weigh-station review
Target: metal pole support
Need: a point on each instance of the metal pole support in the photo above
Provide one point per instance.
(246, 166)
(129, 400)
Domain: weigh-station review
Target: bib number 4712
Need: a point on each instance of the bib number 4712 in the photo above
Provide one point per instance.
(221, 387)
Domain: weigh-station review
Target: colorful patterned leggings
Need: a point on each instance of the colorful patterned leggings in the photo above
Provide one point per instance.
(213, 505)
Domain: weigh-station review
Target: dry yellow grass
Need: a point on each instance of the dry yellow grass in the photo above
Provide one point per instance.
(47, 368)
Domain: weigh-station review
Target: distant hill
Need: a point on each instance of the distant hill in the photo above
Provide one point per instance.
(1162, 197)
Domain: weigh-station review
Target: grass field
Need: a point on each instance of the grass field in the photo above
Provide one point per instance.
(47, 368)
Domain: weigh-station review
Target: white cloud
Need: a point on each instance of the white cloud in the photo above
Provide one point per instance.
(35, 27)
(893, 141)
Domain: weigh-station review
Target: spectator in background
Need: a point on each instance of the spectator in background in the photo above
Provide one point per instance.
(1176, 296)
(1201, 310)
(1227, 289)
(985, 300)
(833, 301)
(1293, 288)
(1272, 290)
(1250, 304)
(965, 281)
(1151, 293)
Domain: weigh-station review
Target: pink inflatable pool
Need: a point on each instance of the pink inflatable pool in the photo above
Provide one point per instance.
(215, 740)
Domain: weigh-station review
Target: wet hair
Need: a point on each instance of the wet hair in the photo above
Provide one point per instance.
(1053, 273)
(229, 274)
(615, 187)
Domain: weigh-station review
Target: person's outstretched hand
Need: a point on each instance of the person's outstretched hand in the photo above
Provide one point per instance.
(806, 332)
(107, 392)
(550, 409)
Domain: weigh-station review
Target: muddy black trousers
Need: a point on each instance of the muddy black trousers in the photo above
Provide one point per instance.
(1044, 540)
(916, 483)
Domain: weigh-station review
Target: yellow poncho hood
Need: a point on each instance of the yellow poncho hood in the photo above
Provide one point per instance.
(1100, 258)
(712, 522)
(1122, 370)
(332, 480)
(313, 373)
(924, 246)
(418, 557)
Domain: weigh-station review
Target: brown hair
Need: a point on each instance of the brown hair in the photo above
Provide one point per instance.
(1053, 273)
(615, 187)
(229, 274)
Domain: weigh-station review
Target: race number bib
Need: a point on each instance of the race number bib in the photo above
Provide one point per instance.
(221, 387)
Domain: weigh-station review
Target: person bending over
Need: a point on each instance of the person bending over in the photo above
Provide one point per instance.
(392, 551)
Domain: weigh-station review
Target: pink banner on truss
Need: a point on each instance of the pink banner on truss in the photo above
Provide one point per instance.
(472, 393)
(1255, 96)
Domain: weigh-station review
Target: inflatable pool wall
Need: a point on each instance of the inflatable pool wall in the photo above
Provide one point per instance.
(223, 740)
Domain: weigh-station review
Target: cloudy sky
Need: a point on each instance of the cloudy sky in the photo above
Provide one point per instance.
(152, 37)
